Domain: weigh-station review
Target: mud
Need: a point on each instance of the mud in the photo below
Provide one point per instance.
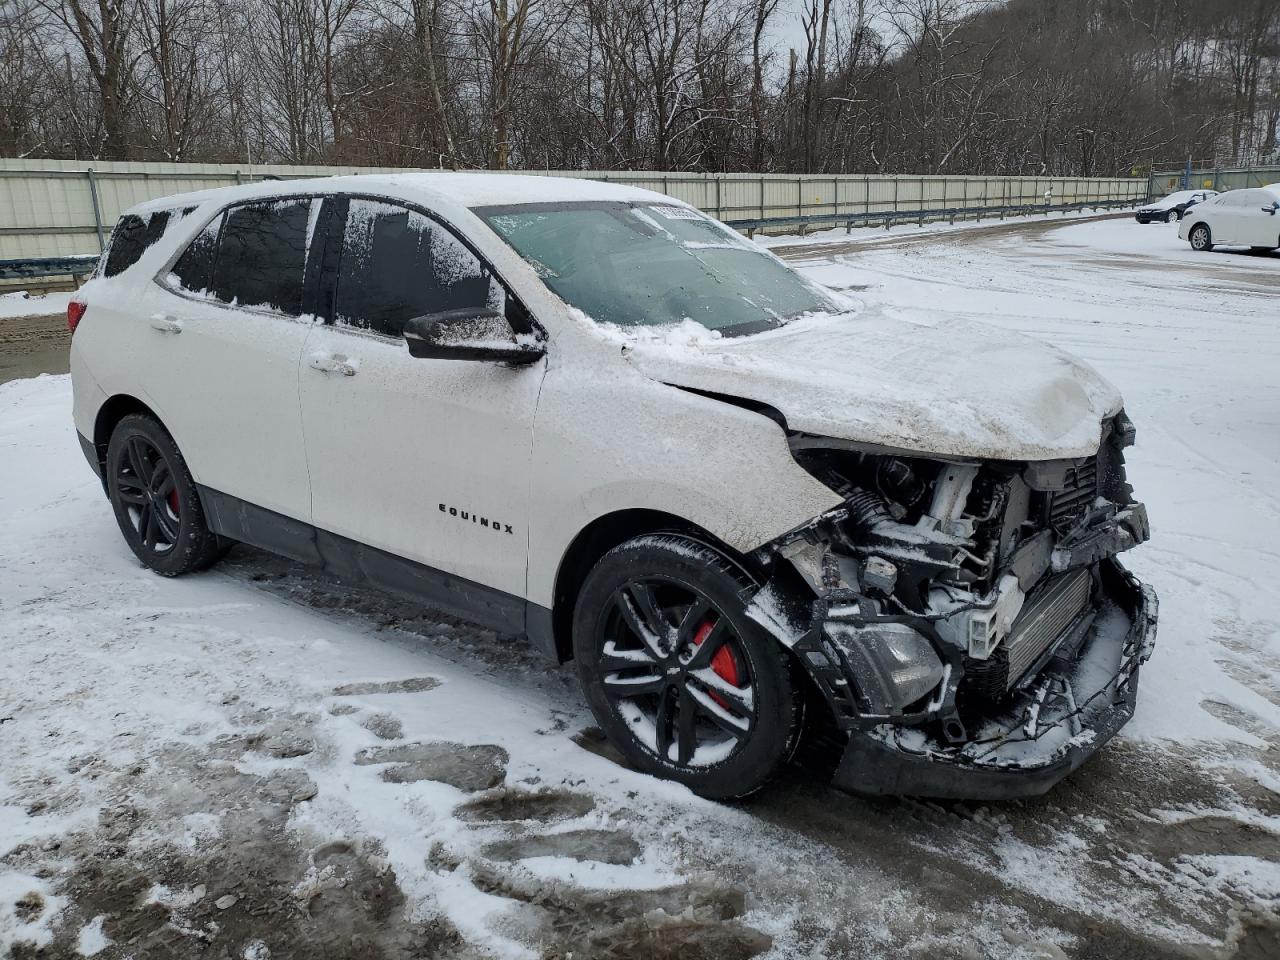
(545, 806)
(412, 685)
(247, 885)
(467, 767)
(33, 345)
(603, 846)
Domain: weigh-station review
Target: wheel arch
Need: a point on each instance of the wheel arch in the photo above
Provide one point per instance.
(115, 409)
(553, 630)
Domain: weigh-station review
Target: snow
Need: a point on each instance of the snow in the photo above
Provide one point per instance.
(929, 383)
(106, 669)
(22, 304)
(91, 940)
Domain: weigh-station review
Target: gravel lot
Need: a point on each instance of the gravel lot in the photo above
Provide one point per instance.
(262, 761)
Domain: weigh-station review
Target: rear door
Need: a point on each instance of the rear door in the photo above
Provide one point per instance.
(226, 330)
(1232, 224)
(424, 459)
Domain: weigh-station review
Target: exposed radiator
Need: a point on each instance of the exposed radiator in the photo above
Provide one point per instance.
(1046, 617)
(1068, 506)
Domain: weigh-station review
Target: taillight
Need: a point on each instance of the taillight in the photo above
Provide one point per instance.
(75, 311)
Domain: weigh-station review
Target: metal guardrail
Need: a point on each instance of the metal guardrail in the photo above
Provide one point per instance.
(889, 217)
(32, 268)
(37, 267)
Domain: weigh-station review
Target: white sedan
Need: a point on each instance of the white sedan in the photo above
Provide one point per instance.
(1245, 218)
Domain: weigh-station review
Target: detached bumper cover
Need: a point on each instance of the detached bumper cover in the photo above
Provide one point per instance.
(1070, 711)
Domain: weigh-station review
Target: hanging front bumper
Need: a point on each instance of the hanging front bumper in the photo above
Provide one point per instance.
(1068, 711)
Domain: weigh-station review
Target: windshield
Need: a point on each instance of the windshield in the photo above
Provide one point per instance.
(654, 265)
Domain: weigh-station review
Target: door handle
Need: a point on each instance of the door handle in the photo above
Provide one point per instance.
(166, 324)
(334, 363)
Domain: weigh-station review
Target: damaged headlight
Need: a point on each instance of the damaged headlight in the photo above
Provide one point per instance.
(893, 665)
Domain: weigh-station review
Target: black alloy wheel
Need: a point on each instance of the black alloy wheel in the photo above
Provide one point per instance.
(685, 684)
(155, 499)
(673, 668)
(145, 486)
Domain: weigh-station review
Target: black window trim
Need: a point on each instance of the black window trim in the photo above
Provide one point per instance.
(326, 292)
(221, 218)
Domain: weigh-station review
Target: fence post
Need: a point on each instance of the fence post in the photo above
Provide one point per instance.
(719, 210)
(97, 210)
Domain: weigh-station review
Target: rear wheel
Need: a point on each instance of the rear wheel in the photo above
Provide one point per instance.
(1200, 237)
(682, 681)
(155, 499)
(1171, 217)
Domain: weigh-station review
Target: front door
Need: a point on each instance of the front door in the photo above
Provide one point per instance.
(426, 460)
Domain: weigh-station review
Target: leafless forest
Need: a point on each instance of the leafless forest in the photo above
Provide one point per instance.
(1063, 87)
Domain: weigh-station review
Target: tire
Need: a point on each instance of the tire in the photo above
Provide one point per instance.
(1172, 217)
(1200, 238)
(716, 703)
(155, 500)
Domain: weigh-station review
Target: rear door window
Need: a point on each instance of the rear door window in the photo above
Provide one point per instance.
(262, 255)
(398, 264)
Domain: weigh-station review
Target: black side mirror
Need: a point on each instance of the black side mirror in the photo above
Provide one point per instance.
(469, 334)
(1272, 209)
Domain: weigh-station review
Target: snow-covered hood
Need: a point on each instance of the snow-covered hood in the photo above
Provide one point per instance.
(947, 388)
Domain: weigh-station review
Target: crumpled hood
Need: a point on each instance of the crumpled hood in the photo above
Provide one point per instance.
(948, 388)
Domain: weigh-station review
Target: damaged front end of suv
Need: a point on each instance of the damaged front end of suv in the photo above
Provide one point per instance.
(967, 623)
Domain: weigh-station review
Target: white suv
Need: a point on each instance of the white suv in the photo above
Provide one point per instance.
(592, 415)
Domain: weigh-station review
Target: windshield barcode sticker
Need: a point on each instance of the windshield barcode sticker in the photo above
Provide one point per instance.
(678, 213)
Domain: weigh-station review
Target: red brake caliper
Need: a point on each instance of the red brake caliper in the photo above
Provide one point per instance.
(723, 663)
(173, 500)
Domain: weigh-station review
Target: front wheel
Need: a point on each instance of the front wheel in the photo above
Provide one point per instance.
(1171, 217)
(1201, 239)
(682, 681)
(155, 499)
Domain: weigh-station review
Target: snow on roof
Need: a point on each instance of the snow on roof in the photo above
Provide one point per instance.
(461, 189)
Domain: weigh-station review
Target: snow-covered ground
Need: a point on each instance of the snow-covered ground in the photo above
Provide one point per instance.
(20, 303)
(247, 763)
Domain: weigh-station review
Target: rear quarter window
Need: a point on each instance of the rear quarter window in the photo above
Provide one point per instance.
(133, 234)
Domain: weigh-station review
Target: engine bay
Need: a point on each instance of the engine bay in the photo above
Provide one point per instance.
(944, 595)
